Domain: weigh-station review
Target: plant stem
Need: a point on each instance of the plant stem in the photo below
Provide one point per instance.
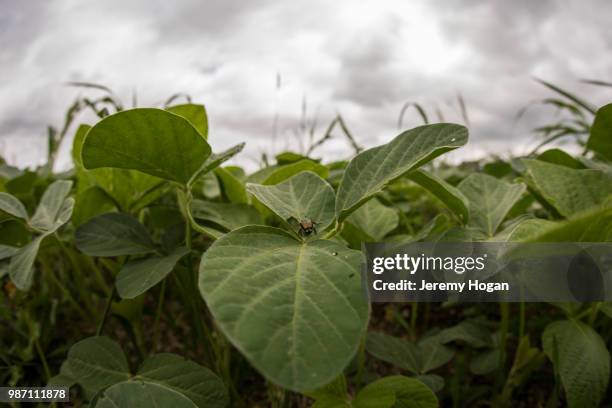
(414, 316)
(504, 311)
(41, 355)
(521, 320)
(160, 306)
(361, 358)
(109, 303)
(593, 314)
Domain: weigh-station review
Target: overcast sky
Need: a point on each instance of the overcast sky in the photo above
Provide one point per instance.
(363, 59)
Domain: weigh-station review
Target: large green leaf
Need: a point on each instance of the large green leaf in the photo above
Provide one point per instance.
(113, 234)
(568, 191)
(396, 391)
(305, 196)
(375, 219)
(138, 276)
(449, 195)
(197, 383)
(152, 141)
(600, 140)
(370, 171)
(294, 309)
(51, 207)
(12, 206)
(490, 200)
(97, 362)
(140, 394)
(195, 114)
(229, 216)
(582, 360)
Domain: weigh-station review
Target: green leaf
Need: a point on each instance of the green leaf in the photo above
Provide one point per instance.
(136, 277)
(558, 156)
(228, 216)
(113, 234)
(449, 195)
(7, 251)
(490, 200)
(371, 170)
(332, 395)
(396, 391)
(12, 206)
(420, 358)
(51, 208)
(485, 362)
(600, 140)
(152, 141)
(97, 362)
(582, 360)
(434, 353)
(232, 188)
(195, 382)
(282, 173)
(375, 219)
(568, 191)
(305, 196)
(195, 114)
(215, 160)
(90, 203)
(589, 226)
(77, 145)
(469, 332)
(21, 267)
(139, 394)
(294, 309)
(396, 351)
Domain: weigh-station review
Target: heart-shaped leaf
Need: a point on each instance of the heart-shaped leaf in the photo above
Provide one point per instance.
(197, 383)
(490, 200)
(138, 276)
(582, 360)
(305, 196)
(152, 141)
(568, 191)
(600, 140)
(294, 309)
(113, 234)
(370, 171)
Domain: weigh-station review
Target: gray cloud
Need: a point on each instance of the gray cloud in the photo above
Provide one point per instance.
(361, 59)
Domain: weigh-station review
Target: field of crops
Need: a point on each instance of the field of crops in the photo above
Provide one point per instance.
(154, 274)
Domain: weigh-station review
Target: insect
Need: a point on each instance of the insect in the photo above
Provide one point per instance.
(307, 227)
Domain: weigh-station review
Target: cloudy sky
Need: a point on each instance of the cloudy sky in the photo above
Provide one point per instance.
(252, 61)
